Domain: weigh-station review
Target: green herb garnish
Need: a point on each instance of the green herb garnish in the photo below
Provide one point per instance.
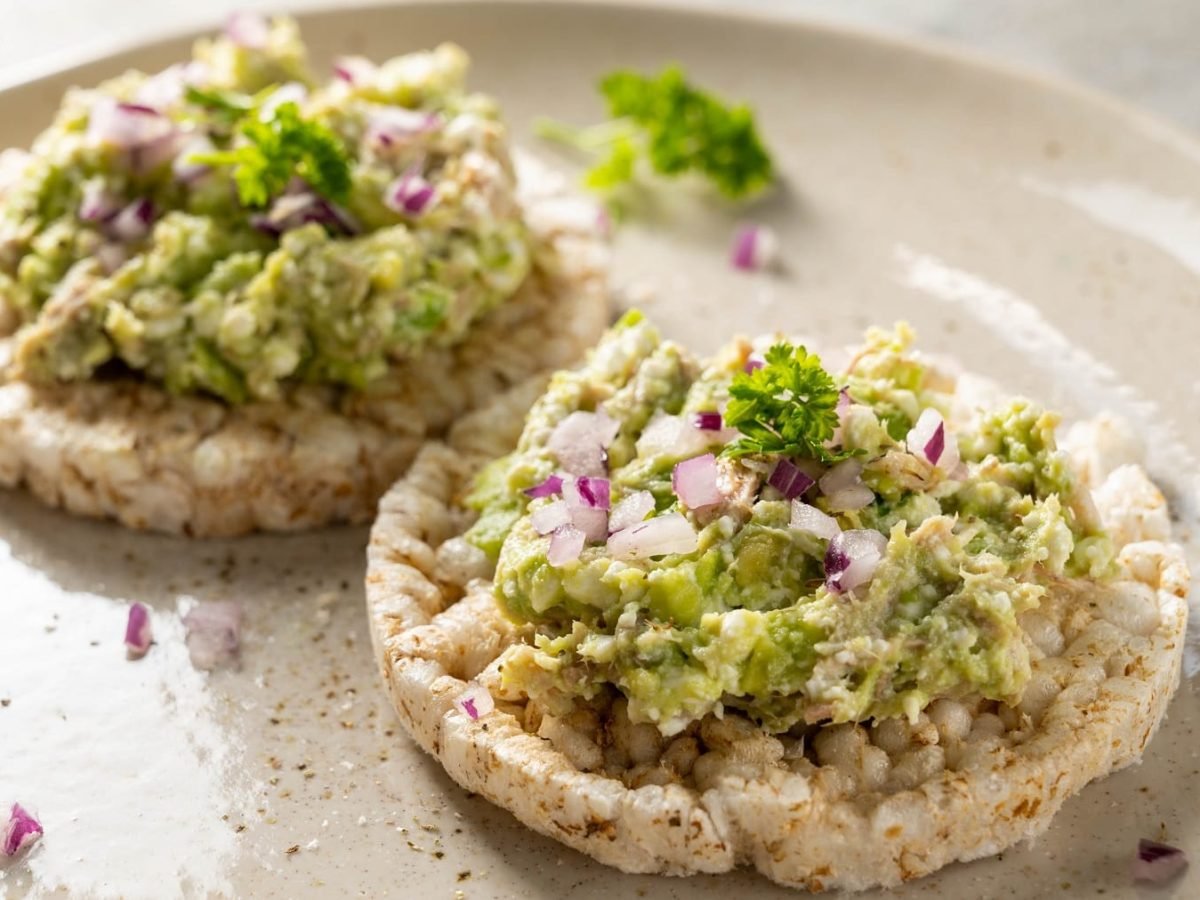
(676, 127)
(275, 150)
(787, 407)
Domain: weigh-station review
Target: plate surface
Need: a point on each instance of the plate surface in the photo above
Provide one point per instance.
(1043, 235)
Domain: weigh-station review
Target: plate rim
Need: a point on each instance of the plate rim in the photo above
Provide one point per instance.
(1149, 123)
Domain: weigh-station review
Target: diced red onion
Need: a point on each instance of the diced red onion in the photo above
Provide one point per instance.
(566, 543)
(184, 168)
(754, 247)
(843, 475)
(695, 482)
(248, 30)
(857, 496)
(292, 92)
(388, 126)
(292, 210)
(675, 436)
(852, 558)
(927, 438)
(812, 521)
(590, 492)
(139, 634)
(354, 69)
(630, 510)
(127, 126)
(21, 831)
(708, 421)
(133, 222)
(592, 522)
(662, 535)
(580, 442)
(213, 632)
(410, 194)
(548, 488)
(546, 519)
(1157, 863)
(166, 88)
(475, 702)
(789, 480)
(843, 407)
(753, 363)
(97, 203)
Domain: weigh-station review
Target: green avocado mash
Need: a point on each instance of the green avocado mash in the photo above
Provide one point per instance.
(229, 226)
(750, 619)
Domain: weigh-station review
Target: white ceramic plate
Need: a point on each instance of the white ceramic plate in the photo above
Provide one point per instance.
(1044, 235)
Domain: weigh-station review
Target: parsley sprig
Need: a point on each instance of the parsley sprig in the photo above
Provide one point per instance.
(676, 127)
(275, 148)
(786, 407)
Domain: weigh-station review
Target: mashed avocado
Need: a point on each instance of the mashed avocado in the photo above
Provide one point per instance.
(754, 596)
(368, 218)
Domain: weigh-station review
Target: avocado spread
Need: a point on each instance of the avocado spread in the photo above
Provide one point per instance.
(856, 548)
(230, 226)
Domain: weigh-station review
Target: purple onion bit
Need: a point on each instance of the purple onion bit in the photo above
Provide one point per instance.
(595, 492)
(1157, 863)
(138, 633)
(21, 831)
(707, 421)
(936, 445)
(548, 488)
(753, 364)
(787, 478)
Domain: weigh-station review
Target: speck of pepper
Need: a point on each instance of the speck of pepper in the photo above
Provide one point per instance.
(464, 874)
(295, 848)
(438, 854)
(5, 701)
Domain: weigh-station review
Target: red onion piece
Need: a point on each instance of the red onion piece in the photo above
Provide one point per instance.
(291, 92)
(580, 442)
(96, 203)
(111, 257)
(354, 69)
(130, 126)
(166, 88)
(754, 247)
(213, 633)
(248, 30)
(133, 222)
(789, 480)
(855, 497)
(592, 522)
(753, 363)
(708, 421)
(410, 194)
(22, 830)
(675, 436)
(138, 632)
(565, 545)
(695, 482)
(851, 559)
(812, 521)
(927, 438)
(659, 536)
(588, 492)
(843, 475)
(1157, 863)
(475, 702)
(183, 168)
(630, 510)
(548, 488)
(294, 209)
(389, 126)
(548, 518)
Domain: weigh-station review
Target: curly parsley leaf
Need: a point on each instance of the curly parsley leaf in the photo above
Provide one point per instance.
(786, 407)
(229, 106)
(283, 146)
(677, 128)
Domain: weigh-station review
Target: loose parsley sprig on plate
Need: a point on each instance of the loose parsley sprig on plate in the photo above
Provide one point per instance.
(786, 407)
(276, 147)
(676, 127)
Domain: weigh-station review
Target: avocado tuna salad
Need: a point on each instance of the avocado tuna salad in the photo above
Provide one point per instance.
(230, 225)
(757, 533)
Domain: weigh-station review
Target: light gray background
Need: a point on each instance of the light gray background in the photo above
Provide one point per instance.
(1144, 51)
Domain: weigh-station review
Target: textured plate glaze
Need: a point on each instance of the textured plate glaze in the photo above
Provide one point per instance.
(1046, 236)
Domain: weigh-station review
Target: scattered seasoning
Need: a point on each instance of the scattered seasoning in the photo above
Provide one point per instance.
(5, 701)
(239, 829)
(295, 848)
(464, 875)
(438, 854)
